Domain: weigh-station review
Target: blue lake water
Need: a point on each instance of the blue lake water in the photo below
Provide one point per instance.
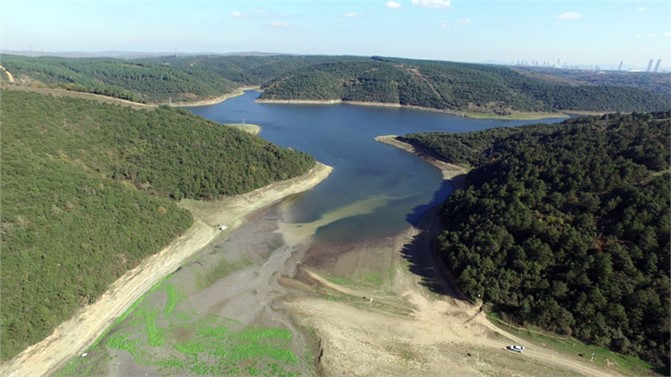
(375, 189)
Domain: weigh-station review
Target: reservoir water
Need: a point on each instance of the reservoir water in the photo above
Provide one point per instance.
(257, 299)
(375, 189)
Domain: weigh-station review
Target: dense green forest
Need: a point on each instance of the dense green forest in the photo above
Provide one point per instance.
(453, 86)
(88, 191)
(461, 87)
(567, 226)
(156, 80)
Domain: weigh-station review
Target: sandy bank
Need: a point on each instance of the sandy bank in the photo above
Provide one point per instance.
(300, 101)
(514, 116)
(213, 101)
(246, 127)
(393, 325)
(449, 171)
(10, 78)
(73, 336)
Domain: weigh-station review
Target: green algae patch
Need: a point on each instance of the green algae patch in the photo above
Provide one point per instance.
(181, 342)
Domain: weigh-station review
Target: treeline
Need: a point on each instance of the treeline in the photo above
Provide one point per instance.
(567, 227)
(453, 86)
(156, 80)
(126, 79)
(88, 191)
(653, 82)
(433, 84)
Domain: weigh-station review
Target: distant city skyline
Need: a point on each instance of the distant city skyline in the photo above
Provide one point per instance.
(575, 33)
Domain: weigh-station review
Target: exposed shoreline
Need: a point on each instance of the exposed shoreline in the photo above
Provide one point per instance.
(465, 114)
(394, 325)
(70, 338)
(57, 92)
(451, 172)
(213, 101)
(250, 128)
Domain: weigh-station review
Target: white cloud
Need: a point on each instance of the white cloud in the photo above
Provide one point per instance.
(351, 15)
(652, 35)
(279, 24)
(432, 3)
(249, 14)
(464, 21)
(667, 34)
(569, 16)
(444, 24)
(641, 9)
(392, 4)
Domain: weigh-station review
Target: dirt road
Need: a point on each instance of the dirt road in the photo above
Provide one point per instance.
(402, 328)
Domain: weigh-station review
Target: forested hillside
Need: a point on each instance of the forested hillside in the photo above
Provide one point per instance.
(459, 87)
(453, 86)
(88, 191)
(156, 80)
(567, 226)
(659, 83)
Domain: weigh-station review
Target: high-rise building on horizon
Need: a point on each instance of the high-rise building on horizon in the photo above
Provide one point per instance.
(620, 67)
(649, 66)
(659, 61)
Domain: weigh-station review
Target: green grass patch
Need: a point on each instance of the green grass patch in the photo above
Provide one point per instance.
(122, 342)
(221, 270)
(89, 190)
(177, 344)
(155, 333)
(371, 278)
(173, 297)
(600, 356)
(341, 280)
(378, 277)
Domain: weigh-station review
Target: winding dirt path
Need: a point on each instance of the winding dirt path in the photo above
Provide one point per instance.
(75, 335)
(363, 337)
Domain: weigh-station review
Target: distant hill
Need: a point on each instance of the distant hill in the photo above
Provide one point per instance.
(453, 86)
(89, 190)
(156, 79)
(457, 87)
(567, 226)
(659, 83)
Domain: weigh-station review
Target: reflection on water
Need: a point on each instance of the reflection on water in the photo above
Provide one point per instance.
(375, 189)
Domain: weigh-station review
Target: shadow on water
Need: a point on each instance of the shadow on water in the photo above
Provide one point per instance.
(420, 252)
(438, 198)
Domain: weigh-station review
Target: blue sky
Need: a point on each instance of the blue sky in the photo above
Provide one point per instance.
(575, 32)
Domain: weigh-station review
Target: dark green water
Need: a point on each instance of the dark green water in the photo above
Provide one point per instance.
(375, 189)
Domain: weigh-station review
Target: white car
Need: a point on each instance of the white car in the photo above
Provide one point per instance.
(515, 348)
